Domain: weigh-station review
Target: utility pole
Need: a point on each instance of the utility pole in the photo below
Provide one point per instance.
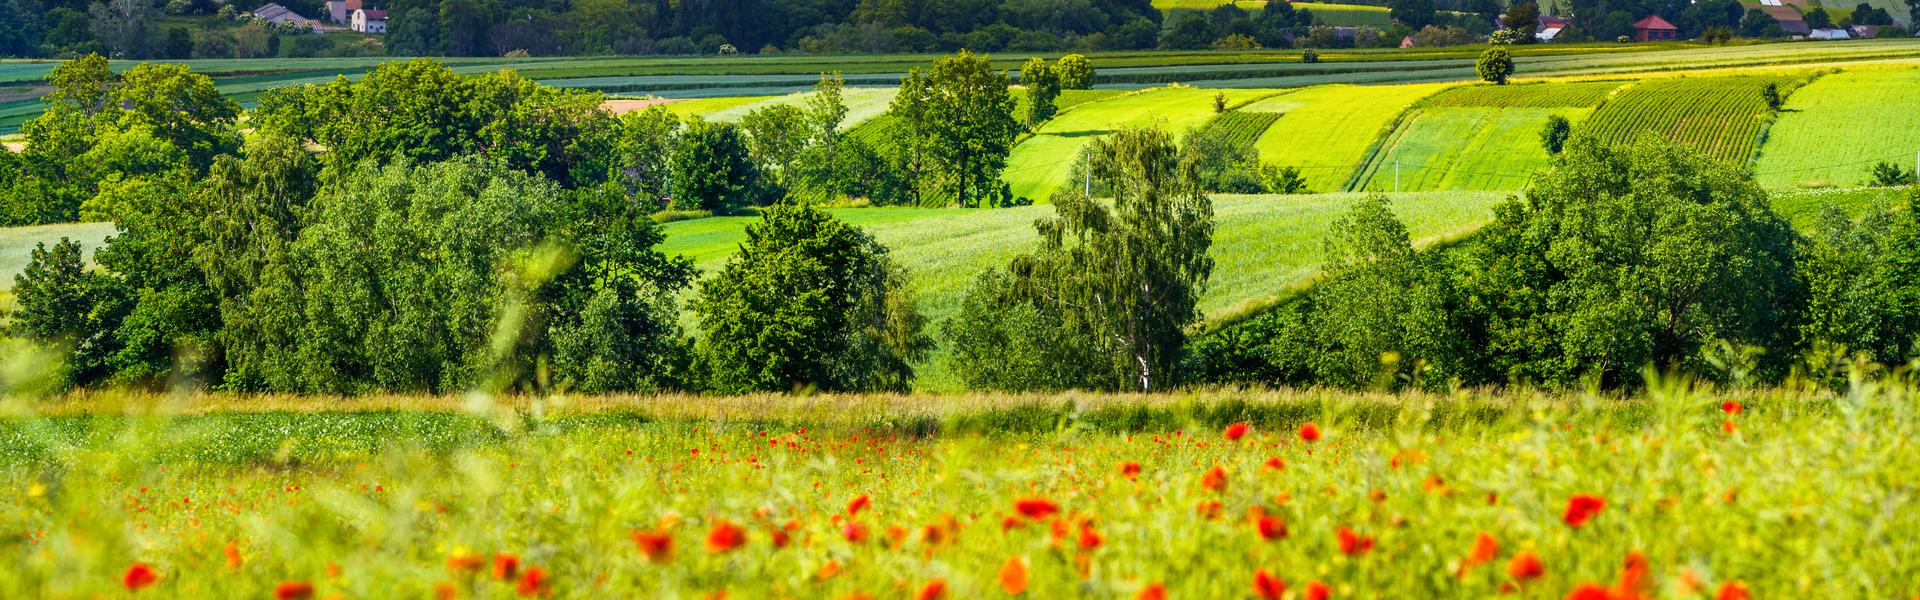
(1086, 188)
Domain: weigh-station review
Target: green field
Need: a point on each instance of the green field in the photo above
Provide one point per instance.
(1722, 117)
(1264, 246)
(1479, 137)
(1464, 149)
(1040, 163)
(862, 104)
(1833, 130)
(1329, 131)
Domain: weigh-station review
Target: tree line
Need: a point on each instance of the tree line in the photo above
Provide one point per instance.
(420, 230)
(1616, 260)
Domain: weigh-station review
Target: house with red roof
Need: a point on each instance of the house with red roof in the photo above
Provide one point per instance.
(1654, 29)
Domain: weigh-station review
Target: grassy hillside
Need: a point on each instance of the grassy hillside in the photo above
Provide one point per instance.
(1039, 164)
(1481, 137)
(1834, 129)
(1263, 245)
(1328, 131)
(1722, 117)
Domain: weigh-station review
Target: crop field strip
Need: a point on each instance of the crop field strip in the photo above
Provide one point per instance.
(1721, 117)
(1328, 131)
(1865, 116)
(1478, 137)
(1039, 164)
(1243, 128)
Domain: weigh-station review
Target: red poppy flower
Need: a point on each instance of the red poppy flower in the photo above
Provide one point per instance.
(1525, 566)
(725, 537)
(1581, 508)
(139, 575)
(933, 590)
(293, 590)
(1215, 479)
(1153, 591)
(1732, 590)
(1485, 548)
(1089, 539)
(1268, 587)
(656, 545)
(1317, 591)
(534, 583)
(1728, 426)
(1130, 470)
(232, 552)
(444, 590)
(859, 502)
(1275, 463)
(1270, 527)
(1731, 407)
(1013, 576)
(1237, 430)
(1590, 591)
(1353, 544)
(854, 532)
(1036, 508)
(506, 566)
(1633, 575)
(1310, 432)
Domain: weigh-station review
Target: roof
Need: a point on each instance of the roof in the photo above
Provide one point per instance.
(375, 15)
(270, 11)
(353, 5)
(1547, 35)
(1829, 34)
(1795, 27)
(1783, 14)
(1550, 22)
(1654, 22)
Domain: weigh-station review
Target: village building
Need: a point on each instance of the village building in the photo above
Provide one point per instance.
(1654, 29)
(368, 20)
(281, 15)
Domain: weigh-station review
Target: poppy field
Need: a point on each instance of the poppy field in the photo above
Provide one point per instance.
(1677, 493)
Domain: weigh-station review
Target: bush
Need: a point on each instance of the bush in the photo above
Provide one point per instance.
(810, 302)
(714, 170)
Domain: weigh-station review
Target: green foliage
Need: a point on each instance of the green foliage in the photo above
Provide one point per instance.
(421, 110)
(959, 123)
(408, 278)
(1495, 65)
(1619, 258)
(1043, 88)
(56, 297)
(1863, 290)
(1770, 94)
(1554, 136)
(713, 169)
(1075, 72)
(1623, 257)
(1110, 292)
(1886, 174)
(810, 302)
(645, 146)
(776, 134)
